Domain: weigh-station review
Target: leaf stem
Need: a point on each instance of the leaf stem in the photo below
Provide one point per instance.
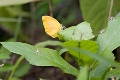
(79, 51)
(50, 7)
(15, 66)
(33, 21)
(110, 10)
(79, 55)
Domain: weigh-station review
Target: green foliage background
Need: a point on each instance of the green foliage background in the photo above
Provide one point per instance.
(20, 21)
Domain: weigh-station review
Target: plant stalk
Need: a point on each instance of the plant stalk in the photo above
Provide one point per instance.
(15, 66)
(50, 7)
(110, 10)
(79, 55)
(79, 51)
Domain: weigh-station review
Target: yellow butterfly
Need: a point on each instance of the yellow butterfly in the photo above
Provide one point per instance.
(51, 25)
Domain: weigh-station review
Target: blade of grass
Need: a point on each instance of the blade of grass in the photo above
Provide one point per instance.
(18, 26)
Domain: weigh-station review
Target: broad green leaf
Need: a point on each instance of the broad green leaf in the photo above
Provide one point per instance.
(98, 72)
(83, 74)
(40, 56)
(80, 32)
(113, 72)
(84, 44)
(96, 12)
(67, 33)
(108, 41)
(97, 57)
(14, 2)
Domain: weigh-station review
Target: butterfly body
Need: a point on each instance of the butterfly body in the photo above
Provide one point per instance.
(51, 25)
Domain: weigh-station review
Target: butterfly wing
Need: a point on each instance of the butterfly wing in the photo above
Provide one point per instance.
(51, 25)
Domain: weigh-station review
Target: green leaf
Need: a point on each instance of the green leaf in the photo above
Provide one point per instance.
(22, 69)
(14, 2)
(108, 41)
(41, 56)
(113, 72)
(6, 67)
(4, 53)
(84, 44)
(99, 58)
(83, 74)
(67, 33)
(96, 12)
(100, 71)
(80, 32)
